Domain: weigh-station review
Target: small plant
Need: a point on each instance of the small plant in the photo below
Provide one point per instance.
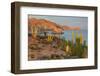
(50, 38)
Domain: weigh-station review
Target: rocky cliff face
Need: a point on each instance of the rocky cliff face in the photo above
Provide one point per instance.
(49, 24)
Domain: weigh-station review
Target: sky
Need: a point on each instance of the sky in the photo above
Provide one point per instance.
(82, 22)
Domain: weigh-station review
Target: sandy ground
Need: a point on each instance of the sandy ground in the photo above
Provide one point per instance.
(39, 51)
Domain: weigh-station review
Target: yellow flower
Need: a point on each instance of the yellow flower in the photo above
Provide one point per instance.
(72, 36)
(50, 38)
(81, 38)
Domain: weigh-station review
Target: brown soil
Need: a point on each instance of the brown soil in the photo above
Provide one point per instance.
(40, 49)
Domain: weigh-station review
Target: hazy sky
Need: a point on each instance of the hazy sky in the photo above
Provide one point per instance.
(65, 20)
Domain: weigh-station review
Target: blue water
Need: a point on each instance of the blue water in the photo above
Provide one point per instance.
(68, 34)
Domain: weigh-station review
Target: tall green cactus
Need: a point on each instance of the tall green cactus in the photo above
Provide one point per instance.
(72, 37)
(81, 38)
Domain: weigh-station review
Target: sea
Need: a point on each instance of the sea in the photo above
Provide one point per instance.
(68, 34)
